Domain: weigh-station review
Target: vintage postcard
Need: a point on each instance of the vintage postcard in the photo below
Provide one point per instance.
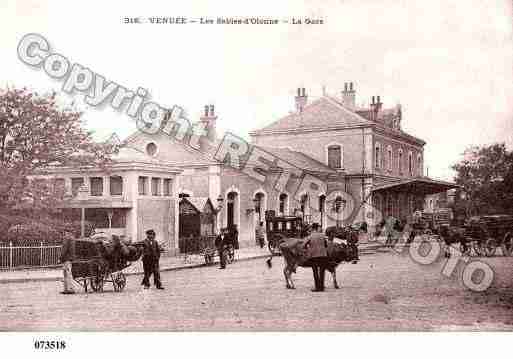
(290, 166)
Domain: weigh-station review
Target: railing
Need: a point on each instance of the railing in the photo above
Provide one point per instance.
(13, 257)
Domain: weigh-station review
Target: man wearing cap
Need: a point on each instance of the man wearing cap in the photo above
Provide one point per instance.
(67, 256)
(150, 259)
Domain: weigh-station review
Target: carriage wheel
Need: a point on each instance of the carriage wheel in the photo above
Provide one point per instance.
(490, 247)
(119, 282)
(507, 245)
(274, 243)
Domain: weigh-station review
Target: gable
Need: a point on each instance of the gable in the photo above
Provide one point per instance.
(321, 113)
(167, 149)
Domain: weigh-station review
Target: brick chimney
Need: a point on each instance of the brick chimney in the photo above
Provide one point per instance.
(375, 106)
(301, 99)
(348, 95)
(209, 119)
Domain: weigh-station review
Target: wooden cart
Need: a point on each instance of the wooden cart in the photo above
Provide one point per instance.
(95, 266)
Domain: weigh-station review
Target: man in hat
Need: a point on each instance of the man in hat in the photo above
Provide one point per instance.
(67, 256)
(221, 242)
(317, 254)
(150, 259)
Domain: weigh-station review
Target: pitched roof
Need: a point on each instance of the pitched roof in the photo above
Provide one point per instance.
(324, 112)
(198, 202)
(328, 112)
(170, 151)
(298, 159)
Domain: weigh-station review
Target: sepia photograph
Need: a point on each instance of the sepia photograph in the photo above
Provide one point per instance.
(248, 168)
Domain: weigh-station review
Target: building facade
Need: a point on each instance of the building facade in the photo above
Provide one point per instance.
(361, 155)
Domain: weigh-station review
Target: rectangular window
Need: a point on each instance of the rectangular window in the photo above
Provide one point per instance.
(334, 157)
(116, 185)
(155, 186)
(167, 187)
(76, 183)
(143, 186)
(96, 186)
(377, 158)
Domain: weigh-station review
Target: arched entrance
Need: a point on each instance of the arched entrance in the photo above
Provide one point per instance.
(260, 201)
(283, 204)
(232, 208)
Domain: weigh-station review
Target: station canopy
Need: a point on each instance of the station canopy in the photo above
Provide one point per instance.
(420, 186)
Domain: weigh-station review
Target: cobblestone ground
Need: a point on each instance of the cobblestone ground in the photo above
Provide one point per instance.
(384, 291)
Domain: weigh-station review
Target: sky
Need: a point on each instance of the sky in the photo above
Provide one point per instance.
(449, 63)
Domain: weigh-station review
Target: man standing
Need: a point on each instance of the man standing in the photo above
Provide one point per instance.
(67, 256)
(221, 243)
(317, 254)
(150, 259)
(259, 234)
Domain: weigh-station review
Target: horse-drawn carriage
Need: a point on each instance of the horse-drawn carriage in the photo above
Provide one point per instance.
(279, 228)
(101, 260)
(482, 235)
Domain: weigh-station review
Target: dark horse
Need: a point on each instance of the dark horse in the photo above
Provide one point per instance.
(294, 255)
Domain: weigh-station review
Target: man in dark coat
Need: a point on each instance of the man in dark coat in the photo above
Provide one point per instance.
(150, 259)
(222, 240)
(317, 254)
(67, 256)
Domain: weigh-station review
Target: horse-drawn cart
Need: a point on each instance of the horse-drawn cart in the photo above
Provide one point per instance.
(482, 235)
(98, 262)
(487, 233)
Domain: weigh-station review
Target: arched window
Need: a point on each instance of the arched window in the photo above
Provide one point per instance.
(410, 163)
(389, 158)
(334, 156)
(260, 205)
(400, 161)
(283, 205)
(419, 164)
(377, 155)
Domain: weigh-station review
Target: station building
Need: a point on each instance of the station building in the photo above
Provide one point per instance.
(361, 154)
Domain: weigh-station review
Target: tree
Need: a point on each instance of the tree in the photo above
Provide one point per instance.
(486, 177)
(35, 133)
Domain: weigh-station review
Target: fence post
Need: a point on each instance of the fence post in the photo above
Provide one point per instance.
(41, 253)
(10, 254)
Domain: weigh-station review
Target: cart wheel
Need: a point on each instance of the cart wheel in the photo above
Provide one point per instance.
(490, 247)
(119, 282)
(507, 245)
(96, 283)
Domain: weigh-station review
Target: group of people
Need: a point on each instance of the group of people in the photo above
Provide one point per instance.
(317, 247)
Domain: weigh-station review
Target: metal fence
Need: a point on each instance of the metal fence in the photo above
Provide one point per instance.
(12, 257)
